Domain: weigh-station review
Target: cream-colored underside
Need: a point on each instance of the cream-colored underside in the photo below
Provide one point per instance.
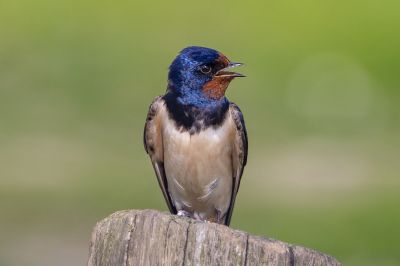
(198, 167)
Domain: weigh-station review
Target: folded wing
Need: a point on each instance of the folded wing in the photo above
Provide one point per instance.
(239, 155)
(153, 145)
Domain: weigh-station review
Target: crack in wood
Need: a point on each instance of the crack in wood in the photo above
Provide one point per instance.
(291, 255)
(166, 236)
(186, 243)
(128, 244)
(246, 250)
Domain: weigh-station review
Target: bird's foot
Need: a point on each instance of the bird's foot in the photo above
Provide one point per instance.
(220, 217)
(184, 213)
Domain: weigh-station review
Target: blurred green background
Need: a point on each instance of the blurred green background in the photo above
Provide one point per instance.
(321, 103)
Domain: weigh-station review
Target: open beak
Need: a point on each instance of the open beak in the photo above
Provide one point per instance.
(225, 73)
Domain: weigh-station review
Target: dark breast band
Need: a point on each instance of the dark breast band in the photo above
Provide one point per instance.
(194, 119)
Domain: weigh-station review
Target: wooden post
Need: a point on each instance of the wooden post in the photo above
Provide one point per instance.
(148, 237)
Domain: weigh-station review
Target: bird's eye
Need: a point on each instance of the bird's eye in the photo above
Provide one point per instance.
(205, 69)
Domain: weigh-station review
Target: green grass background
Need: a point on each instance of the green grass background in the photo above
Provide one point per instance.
(321, 103)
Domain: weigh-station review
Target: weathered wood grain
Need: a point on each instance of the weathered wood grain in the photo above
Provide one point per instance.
(148, 237)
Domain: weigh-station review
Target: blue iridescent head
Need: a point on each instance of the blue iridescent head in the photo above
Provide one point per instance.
(200, 72)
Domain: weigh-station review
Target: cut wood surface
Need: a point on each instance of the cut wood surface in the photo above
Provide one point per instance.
(148, 237)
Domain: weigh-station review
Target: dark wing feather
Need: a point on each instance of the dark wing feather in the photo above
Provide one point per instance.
(239, 156)
(153, 144)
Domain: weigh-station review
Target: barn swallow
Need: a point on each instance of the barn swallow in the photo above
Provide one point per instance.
(196, 138)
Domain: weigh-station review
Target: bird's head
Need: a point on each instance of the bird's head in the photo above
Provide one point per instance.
(201, 72)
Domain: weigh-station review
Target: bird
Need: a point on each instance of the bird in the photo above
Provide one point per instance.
(196, 138)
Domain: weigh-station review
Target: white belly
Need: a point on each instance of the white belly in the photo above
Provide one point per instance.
(199, 168)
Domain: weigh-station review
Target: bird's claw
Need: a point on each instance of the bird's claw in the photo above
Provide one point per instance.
(184, 213)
